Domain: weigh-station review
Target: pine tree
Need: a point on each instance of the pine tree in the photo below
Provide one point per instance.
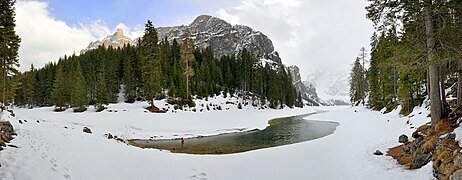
(9, 46)
(79, 99)
(29, 88)
(129, 82)
(357, 92)
(58, 92)
(151, 66)
(101, 93)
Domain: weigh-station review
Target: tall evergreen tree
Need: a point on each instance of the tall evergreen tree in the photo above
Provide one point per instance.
(151, 66)
(357, 92)
(79, 98)
(101, 93)
(9, 46)
(59, 90)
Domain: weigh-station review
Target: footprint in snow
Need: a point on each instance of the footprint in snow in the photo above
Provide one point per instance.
(198, 176)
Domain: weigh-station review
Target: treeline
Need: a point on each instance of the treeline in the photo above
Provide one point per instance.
(153, 70)
(416, 52)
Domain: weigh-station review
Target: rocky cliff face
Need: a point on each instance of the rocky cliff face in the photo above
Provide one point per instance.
(308, 91)
(223, 38)
(117, 40)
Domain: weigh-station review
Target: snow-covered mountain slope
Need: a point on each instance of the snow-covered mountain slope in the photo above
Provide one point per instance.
(332, 87)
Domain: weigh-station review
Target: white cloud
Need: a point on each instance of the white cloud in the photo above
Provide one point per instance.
(312, 34)
(45, 38)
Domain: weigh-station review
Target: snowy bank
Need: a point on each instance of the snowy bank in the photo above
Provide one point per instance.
(48, 150)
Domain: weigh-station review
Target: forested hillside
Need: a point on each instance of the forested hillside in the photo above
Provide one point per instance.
(154, 70)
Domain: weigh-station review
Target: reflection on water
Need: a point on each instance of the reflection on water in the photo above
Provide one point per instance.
(281, 131)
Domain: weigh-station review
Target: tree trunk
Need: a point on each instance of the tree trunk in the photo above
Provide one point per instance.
(435, 99)
(444, 105)
(459, 84)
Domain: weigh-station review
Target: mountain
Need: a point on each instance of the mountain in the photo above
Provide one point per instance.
(117, 40)
(332, 87)
(308, 91)
(223, 38)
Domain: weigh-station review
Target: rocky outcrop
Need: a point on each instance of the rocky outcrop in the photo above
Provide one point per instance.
(117, 40)
(223, 38)
(308, 92)
(6, 133)
(437, 145)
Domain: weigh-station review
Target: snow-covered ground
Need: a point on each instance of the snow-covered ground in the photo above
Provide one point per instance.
(52, 145)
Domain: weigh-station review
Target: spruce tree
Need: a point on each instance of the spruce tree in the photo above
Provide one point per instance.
(9, 46)
(151, 66)
(79, 98)
(129, 82)
(357, 93)
(58, 91)
(29, 88)
(101, 93)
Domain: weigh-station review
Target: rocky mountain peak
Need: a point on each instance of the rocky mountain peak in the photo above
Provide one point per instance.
(223, 38)
(119, 33)
(116, 40)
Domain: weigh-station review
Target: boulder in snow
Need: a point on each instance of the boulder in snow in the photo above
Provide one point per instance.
(87, 130)
(378, 152)
(403, 139)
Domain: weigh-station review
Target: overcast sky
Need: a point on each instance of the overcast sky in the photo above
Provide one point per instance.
(323, 35)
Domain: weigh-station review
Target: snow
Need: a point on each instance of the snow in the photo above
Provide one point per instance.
(47, 150)
(331, 85)
(458, 132)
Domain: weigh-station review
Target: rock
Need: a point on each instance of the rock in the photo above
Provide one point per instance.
(306, 89)
(456, 175)
(416, 135)
(458, 160)
(450, 136)
(6, 132)
(87, 130)
(109, 136)
(406, 149)
(378, 152)
(403, 139)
